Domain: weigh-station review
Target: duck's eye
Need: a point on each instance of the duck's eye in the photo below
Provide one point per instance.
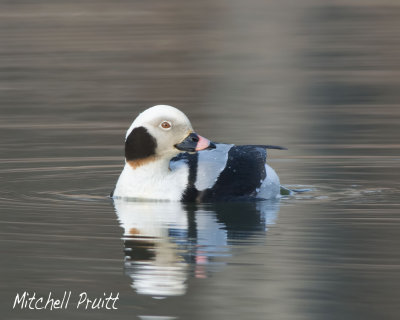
(166, 125)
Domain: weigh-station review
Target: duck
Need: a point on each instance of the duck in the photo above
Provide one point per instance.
(166, 160)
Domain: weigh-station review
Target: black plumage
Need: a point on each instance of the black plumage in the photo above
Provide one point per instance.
(241, 178)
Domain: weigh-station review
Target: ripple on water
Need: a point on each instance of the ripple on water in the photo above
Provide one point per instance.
(164, 244)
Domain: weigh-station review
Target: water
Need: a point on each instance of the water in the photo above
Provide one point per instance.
(321, 79)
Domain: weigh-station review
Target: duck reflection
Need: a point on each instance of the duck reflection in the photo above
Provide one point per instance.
(165, 243)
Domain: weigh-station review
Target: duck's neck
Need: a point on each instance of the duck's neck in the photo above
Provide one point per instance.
(153, 164)
(152, 179)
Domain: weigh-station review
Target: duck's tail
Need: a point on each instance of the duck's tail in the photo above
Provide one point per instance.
(289, 192)
(268, 146)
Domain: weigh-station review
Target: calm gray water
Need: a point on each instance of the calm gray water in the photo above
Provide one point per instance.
(321, 78)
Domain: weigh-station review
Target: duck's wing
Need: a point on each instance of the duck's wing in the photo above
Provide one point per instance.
(227, 172)
(242, 175)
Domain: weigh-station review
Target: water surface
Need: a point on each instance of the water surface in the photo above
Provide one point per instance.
(321, 79)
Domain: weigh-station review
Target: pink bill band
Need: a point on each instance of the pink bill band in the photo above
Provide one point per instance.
(202, 144)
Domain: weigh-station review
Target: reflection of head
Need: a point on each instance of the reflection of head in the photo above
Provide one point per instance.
(162, 276)
(155, 267)
(152, 259)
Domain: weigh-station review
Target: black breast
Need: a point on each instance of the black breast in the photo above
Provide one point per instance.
(190, 194)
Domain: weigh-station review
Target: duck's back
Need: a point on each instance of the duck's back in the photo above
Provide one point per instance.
(228, 173)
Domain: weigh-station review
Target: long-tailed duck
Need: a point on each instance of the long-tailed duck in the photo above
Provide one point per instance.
(162, 162)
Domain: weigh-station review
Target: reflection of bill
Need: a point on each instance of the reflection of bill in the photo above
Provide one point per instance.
(165, 242)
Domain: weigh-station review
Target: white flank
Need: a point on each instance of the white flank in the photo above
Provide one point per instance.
(270, 187)
(154, 180)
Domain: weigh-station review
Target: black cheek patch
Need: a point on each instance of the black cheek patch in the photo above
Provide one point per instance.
(140, 144)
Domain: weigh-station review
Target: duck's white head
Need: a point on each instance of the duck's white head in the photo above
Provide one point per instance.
(161, 132)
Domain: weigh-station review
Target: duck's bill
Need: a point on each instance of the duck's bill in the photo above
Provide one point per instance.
(194, 142)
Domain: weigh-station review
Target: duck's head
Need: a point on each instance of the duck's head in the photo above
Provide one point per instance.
(161, 132)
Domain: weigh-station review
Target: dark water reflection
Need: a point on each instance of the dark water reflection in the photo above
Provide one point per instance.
(319, 78)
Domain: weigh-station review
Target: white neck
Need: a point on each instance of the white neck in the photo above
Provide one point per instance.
(152, 180)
